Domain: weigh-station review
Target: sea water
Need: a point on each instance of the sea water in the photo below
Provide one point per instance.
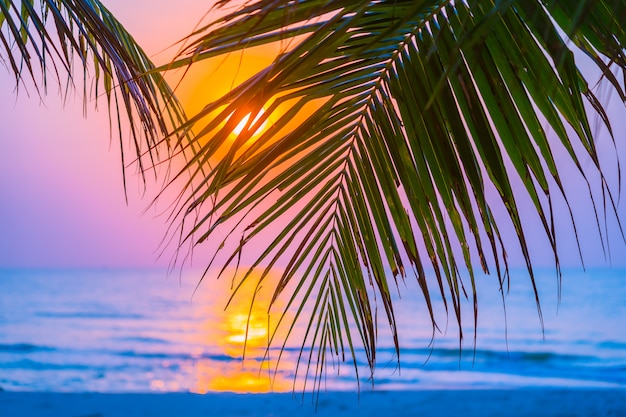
(147, 330)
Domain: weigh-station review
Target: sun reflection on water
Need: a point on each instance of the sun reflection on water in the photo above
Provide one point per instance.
(251, 377)
(231, 343)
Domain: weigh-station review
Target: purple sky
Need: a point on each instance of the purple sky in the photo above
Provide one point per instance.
(62, 194)
(62, 201)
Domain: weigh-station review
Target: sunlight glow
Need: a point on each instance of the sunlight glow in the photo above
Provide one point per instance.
(242, 124)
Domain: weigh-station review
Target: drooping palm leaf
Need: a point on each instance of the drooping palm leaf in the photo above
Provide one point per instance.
(414, 118)
(80, 42)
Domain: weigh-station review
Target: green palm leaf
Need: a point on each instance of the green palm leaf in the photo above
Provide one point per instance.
(417, 116)
(67, 39)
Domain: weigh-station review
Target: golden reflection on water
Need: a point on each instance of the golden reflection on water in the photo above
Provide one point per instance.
(252, 377)
(240, 334)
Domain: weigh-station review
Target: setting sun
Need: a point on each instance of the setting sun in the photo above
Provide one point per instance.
(244, 122)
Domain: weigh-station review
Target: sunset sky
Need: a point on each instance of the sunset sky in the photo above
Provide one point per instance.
(63, 202)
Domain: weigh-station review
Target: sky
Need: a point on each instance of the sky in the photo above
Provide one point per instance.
(63, 202)
(62, 199)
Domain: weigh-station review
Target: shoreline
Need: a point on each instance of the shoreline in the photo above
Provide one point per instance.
(474, 402)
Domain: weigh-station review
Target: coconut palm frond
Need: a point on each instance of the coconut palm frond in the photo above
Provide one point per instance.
(394, 133)
(76, 42)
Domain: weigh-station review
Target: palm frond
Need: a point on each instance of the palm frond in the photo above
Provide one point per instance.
(415, 117)
(81, 45)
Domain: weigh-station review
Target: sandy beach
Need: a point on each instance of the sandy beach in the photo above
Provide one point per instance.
(467, 403)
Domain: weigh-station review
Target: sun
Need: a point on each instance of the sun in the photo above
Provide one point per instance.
(244, 122)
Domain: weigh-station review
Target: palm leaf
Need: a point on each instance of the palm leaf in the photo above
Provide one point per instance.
(65, 40)
(417, 117)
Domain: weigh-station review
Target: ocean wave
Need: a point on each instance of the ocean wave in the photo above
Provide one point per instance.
(144, 339)
(24, 348)
(177, 356)
(418, 357)
(610, 344)
(89, 315)
(27, 349)
(45, 366)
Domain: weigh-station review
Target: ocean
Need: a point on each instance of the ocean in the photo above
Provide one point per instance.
(147, 331)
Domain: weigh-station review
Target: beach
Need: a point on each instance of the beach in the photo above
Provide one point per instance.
(440, 403)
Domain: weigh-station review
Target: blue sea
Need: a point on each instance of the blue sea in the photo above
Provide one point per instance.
(147, 330)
